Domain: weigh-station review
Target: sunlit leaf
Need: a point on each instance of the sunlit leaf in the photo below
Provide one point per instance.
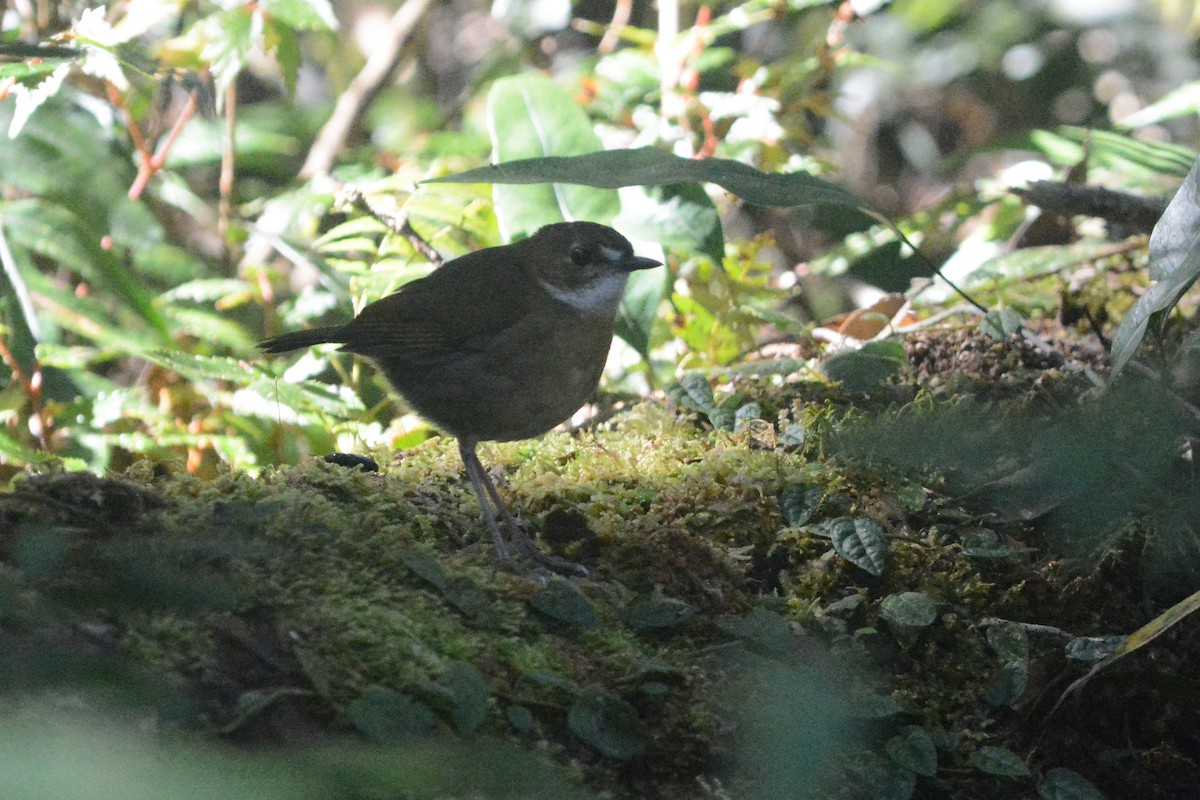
(648, 166)
(530, 116)
(1174, 264)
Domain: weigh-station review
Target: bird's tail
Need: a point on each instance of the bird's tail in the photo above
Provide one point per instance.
(298, 339)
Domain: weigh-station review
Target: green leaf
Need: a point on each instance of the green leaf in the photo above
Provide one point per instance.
(561, 601)
(1009, 684)
(799, 502)
(647, 166)
(608, 724)
(861, 370)
(468, 689)
(531, 117)
(678, 216)
(1093, 648)
(1065, 784)
(1009, 641)
(913, 749)
(654, 613)
(693, 392)
(909, 609)
(1122, 153)
(303, 15)
(763, 630)
(1000, 324)
(1174, 264)
(860, 541)
(425, 567)
(1000, 762)
(385, 716)
(639, 310)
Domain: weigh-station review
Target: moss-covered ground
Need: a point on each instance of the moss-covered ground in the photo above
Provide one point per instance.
(847, 596)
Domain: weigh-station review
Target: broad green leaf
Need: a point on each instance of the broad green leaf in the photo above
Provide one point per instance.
(608, 724)
(861, 370)
(999, 762)
(384, 716)
(860, 541)
(799, 502)
(913, 749)
(303, 15)
(678, 216)
(1174, 264)
(562, 602)
(648, 166)
(693, 392)
(639, 310)
(469, 692)
(531, 117)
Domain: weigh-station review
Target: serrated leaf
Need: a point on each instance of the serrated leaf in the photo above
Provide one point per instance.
(1065, 784)
(608, 724)
(909, 609)
(998, 761)
(531, 117)
(648, 166)
(913, 749)
(860, 541)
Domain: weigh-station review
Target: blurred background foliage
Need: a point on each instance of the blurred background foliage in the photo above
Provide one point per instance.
(174, 184)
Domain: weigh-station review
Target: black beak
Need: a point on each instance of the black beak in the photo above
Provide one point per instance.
(634, 263)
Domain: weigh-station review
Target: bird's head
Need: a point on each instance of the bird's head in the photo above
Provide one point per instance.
(583, 264)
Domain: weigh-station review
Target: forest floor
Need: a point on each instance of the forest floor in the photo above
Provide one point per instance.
(885, 594)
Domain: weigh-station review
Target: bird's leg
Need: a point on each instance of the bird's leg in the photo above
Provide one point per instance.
(517, 536)
(479, 480)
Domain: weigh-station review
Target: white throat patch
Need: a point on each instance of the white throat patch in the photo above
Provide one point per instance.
(602, 295)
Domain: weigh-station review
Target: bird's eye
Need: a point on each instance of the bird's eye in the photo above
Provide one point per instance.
(579, 256)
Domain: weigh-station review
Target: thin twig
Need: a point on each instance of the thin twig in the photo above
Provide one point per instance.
(356, 99)
(228, 162)
(397, 223)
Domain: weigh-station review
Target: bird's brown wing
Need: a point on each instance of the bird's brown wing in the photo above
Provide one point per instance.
(456, 309)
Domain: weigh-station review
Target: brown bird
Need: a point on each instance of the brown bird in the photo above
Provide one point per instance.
(501, 344)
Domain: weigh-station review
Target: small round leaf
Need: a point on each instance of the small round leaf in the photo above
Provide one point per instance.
(909, 609)
(608, 724)
(913, 749)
